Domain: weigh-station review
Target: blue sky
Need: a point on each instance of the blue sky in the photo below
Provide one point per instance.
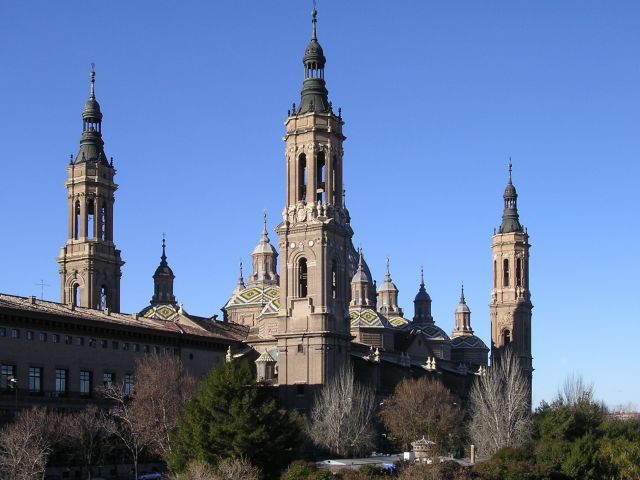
(436, 97)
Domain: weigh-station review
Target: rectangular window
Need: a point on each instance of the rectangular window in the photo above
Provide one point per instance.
(107, 379)
(7, 373)
(29, 335)
(147, 349)
(136, 347)
(15, 333)
(114, 345)
(68, 339)
(128, 384)
(300, 390)
(80, 341)
(3, 332)
(125, 346)
(93, 342)
(35, 379)
(156, 350)
(104, 343)
(42, 337)
(55, 338)
(300, 348)
(85, 382)
(62, 378)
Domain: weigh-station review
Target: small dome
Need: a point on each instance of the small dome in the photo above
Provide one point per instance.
(314, 54)
(422, 296)
(468, 341)
(92, 109)
(164, 270)
(462, 308)
(264, 247)
(510, 190)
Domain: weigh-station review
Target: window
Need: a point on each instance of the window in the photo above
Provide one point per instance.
(495, 274)
(102, 234)
(42, 337)
(302, 178)
(7, 373)
(93, 342)
(104, 343)
(321, 177)
(147, 349)
(15, 333)
(334, 279)
(518, 272)
(56, 338)
(300, 348)
(29, 335)
(85, 382)
(68, 339)
(76, 221)
(125, 346)
(127, 385)
(300, 390)
(156, 349)
(107, 379)
(80, 341)
(176, 351)
(505, 272)
(114, 345)
(302, 277)
(136, 347)
(75, 294)
(91, 218)
(62, 379)
(35, 379)
(3, 332)
(103, 298)
(507, 337)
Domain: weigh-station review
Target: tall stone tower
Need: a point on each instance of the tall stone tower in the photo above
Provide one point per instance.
(315, 242)
(511, 306)
(89, 262)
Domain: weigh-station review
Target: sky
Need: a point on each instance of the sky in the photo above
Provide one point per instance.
(436, 97)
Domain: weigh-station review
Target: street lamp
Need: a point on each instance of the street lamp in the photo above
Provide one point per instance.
(14, 385)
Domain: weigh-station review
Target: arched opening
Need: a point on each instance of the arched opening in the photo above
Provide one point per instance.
(518, 272)
(495, 274)
(103, 222)
(302, 178)
(506, 337)
(334, 279)
(91, 219)
(102, 301)
(76, 220)
(75, 295)
(321, 177)
(334, 181)
(302, 277)
(505, 272)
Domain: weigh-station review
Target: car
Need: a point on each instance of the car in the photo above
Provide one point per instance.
(150, 476)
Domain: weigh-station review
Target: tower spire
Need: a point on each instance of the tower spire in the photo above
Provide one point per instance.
(314, 95)
(264, 258)
(92, 74)
(463, 317)
(163, 280)
(422, 303)
(314, 21)
(510, 218)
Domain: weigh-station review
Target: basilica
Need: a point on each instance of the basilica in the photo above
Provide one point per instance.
(300, 322)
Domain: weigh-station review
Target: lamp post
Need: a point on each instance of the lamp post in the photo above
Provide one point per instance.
(14, 385)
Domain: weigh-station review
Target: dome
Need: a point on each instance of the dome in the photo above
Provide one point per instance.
(468, 341)
(92, 109)
(164, 270)
(422, 296)
(314, 54)
(510, 190)
(462, 308)
(264, 248)
(433, 332)
(367, 318)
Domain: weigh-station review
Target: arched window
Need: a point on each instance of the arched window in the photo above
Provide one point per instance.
(302, 177)
(518, 272)
(102, 235)
(334, 279)
(334, 181)
(506, 337)
(75, 294)
(76, 220)
(321, 178)
(495, 274)
(103, 298)
(505, 272)
(91, 219)
(302, 277)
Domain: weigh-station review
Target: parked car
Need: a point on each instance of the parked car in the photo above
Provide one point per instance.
(150, 476)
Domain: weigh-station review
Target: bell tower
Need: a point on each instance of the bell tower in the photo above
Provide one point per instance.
(510, 307)
(315, 242)
(89, 261)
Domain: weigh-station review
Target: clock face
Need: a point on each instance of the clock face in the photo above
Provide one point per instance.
(292, 245)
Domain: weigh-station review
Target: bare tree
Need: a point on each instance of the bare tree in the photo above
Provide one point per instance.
(500, 414)
(162, 390)
(122, 422)
(25, 445)
(229, 469)
(423, 407)
(575, 391)
(84, 432)
(342, 416)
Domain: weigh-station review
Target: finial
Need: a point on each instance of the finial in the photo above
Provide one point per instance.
(265, 235)
(360, 258)
(241, 278)
(510, 168)
(462, 292)
(71, 159)
(421, 276)
(164, 246)
(388, 274)
(314, 20)
(92, 74)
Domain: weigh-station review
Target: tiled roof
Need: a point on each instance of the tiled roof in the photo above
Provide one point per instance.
(179, 324)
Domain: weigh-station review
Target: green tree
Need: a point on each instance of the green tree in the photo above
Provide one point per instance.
(306, 471)
(233, 416)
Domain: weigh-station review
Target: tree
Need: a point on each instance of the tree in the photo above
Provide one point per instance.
(499, 399)
(228, 469)
(232, 416)
(162, 390)
(25, 445)
(423, 407)
(342, 415)
(85, 434)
